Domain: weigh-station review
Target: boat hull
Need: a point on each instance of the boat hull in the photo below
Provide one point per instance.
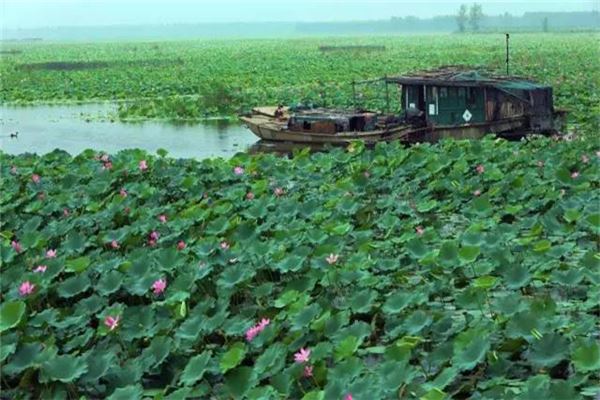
(273, 129)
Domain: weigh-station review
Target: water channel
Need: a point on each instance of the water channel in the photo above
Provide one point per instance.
(74, 128)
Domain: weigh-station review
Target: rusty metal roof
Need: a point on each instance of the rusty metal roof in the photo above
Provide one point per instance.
(463, 76)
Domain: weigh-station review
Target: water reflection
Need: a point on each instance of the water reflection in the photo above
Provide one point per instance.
(74, 128)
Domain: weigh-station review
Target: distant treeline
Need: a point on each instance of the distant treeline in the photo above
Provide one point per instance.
(532, 21)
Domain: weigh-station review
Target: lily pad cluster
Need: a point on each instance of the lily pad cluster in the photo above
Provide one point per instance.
(465, 269)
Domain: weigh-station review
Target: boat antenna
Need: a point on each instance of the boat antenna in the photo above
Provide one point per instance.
(387, 95)
(507, 54)
(354, 94)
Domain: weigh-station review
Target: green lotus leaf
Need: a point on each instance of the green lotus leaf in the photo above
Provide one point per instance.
(195, 368)
(470, 348)
(395, 374)
(586, 356)
(448, 254)
(234, 275)
(271, 361)
(363, 301)
(416, 322)
(416, 248)
(239, 381)
(109, 282)
(549, 350)
(485, 282)
(569, 277)
(232, 357)
(468, 254)
(217, 226)
(77, 264)
(131, 392)
(434, 394)
(11, 314)
(304, 318)
(7, 350)
(346, 348)
(314, 395)
(64, 368)
(517, 276)
(98, 363)
(74, 286)
(75, 242)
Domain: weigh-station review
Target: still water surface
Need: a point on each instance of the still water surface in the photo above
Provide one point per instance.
(42, 129)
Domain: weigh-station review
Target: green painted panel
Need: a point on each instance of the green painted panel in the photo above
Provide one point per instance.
(448, 105)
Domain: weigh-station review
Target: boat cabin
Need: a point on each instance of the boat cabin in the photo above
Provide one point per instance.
(451, 96)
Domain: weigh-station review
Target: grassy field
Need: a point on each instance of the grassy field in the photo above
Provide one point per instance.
(196, 79)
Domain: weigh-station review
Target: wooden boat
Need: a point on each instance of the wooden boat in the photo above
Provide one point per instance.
(447, 102)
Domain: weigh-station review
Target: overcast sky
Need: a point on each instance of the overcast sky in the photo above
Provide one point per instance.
(52, 13)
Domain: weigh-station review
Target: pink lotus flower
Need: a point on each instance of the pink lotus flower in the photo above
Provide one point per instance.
(16, 246)
(348, 397)
(480, 169)
(224, 245)
(127, 210)
(585, 159)
(159, 286)
(278, 191)
(332, 258)
(256, 329)
(123, 192)
(41, 196)
(143, 166)
(104, 158)
(574, 174)
(107, 165)
(112, 322)
(598, 153)
(249, 196)
(114, 244)
(51, 253)
(13, 169)
(238, 170)
(66, 212)
(35, 178)
(40, 269)
(26, 288)
(419, 230)
(308, 371)
(367, 174)
(302, 356)
(181, 245)
(162, 218)
(540, 163)
(264, 323)
(154, 235)
(477, 193)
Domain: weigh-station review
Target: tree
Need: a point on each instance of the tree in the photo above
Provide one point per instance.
(461, 18)
(475, 16)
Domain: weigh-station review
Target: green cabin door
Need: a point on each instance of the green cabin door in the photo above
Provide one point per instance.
(455, 105)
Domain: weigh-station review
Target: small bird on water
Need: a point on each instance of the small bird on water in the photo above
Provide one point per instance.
(15, 134)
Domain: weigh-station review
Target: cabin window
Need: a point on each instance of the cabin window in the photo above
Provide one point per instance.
(471, 95)
(443, 92)
(452, 92)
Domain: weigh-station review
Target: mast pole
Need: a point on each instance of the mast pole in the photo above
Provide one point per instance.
(507, 54)
(387, 96)
(354, 94)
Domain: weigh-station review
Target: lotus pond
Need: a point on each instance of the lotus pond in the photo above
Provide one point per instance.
(194, 79)
(456, 270)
